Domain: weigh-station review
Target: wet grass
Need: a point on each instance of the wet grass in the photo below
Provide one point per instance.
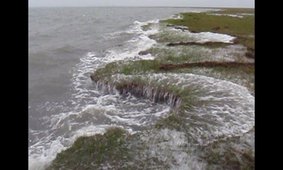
(235, 11)
(168, 36)
(196, 53)
(116, 149)
(160, 91)
(178, 54)
(129, 68)
(207, 64)
(231, 71)
(242, 75)
(94, 151)
(106, 71)
(203, 22)
(174, 122)
(243, 28)
(141, 66)
(229, 153)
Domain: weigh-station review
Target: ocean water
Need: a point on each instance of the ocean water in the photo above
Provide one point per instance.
(65, 46)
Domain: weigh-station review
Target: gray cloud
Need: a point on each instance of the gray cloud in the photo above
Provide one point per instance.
(187, 3)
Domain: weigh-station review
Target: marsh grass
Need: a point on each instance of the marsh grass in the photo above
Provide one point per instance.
(169, 36)
(225, 154)
(173, 122)
(128, 68)
(235, 11)
(106, 71)
(243, 28)
(179, 54)
(140, 66)
(242, 75)
(186, 95)
(93, 151)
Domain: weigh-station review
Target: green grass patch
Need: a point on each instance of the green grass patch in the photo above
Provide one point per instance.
(140, 66)
(225, 154)
(178, 54)
(173, 122)
(242, 75)
(203, 22)
(94, 151)
(236, 70)
(129, 68)
(106, 71)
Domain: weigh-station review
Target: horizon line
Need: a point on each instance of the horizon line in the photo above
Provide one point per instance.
(117, 6)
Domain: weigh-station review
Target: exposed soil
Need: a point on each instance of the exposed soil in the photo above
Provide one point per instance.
(138, 90)
(198, 43)
(204, 64)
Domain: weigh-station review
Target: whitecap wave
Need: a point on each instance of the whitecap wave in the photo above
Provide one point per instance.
(140, 42)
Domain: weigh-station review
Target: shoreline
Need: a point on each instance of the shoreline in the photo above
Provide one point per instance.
(145, 72)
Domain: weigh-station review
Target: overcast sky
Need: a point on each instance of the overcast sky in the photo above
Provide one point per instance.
(181, 3)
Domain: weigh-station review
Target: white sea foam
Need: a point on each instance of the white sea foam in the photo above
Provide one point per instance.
(229, 15)
(92, 120)
(171, 148)
(177, 16)
(250, 14)
(201, 37)
(43, 152)
(105, 111)
(137, 27)
(140, 42)
(213, 37)
(222, 108)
